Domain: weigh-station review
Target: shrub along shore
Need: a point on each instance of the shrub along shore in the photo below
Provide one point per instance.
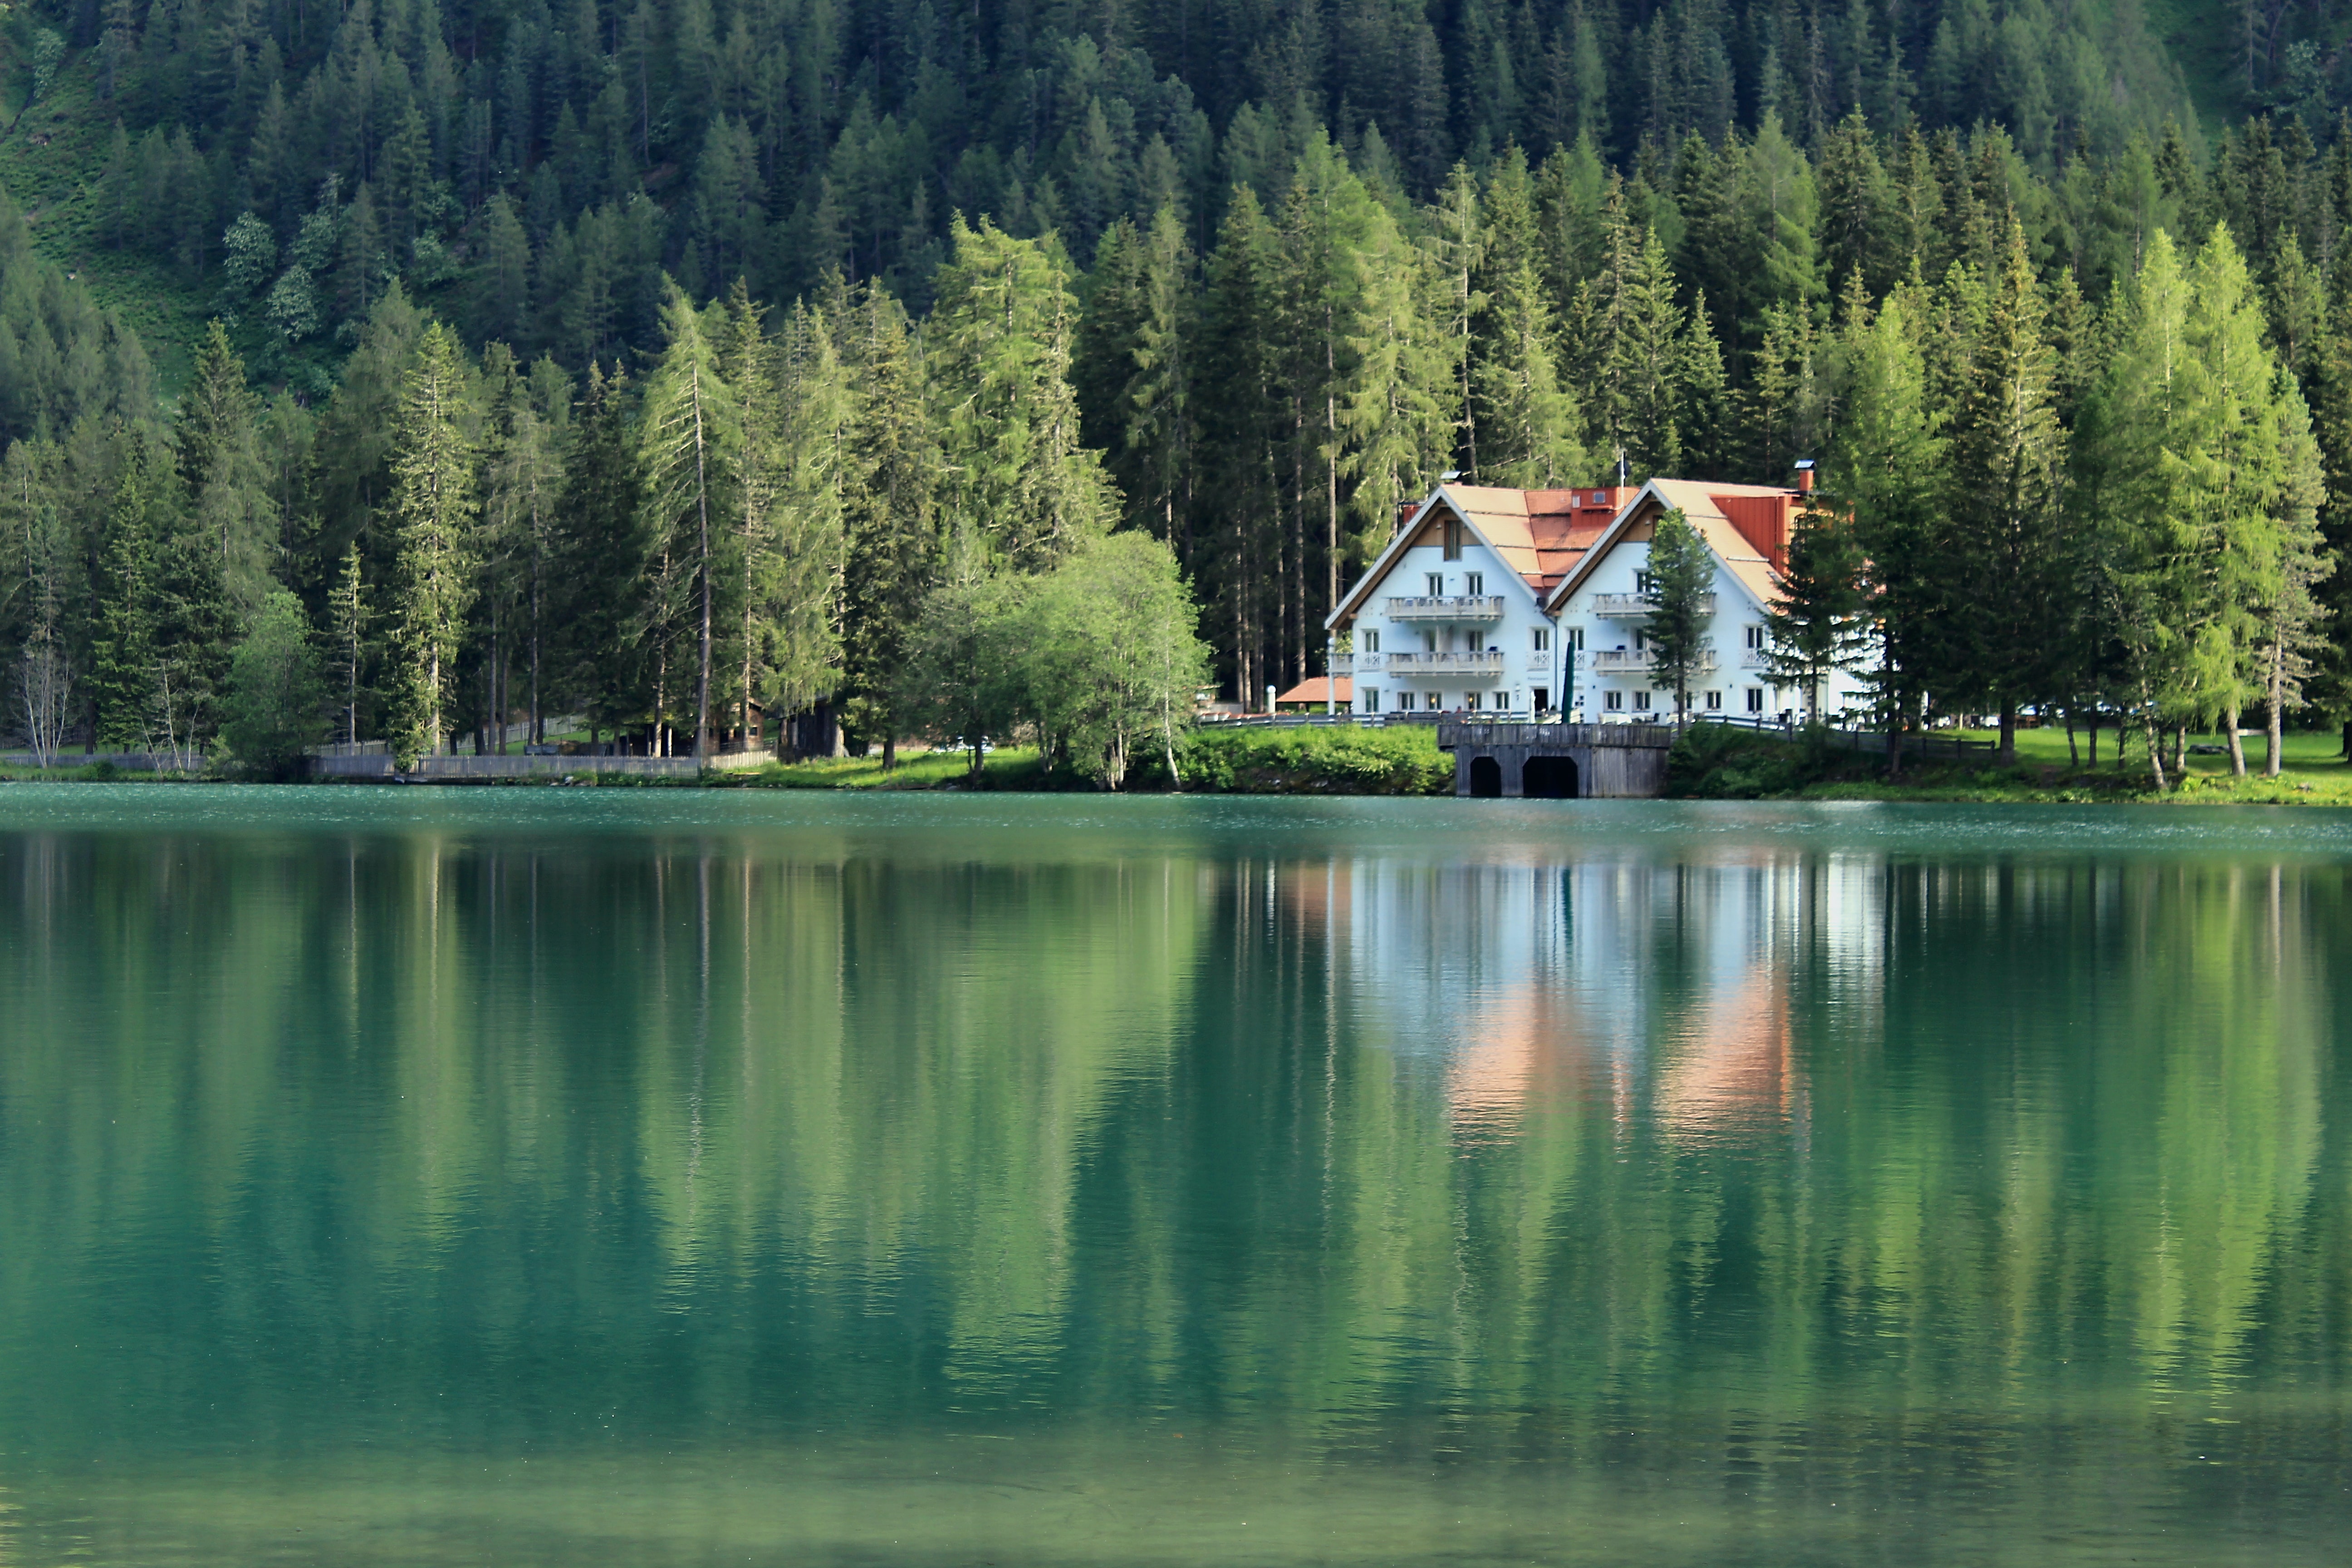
(1710, 763)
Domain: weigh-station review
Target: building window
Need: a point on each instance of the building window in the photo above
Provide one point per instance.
(1404, 702)
(1613, 701)
(1756, 637)
(1542, 704)
(1715, 701)
(1470, 700)
(1371, 640)
(1371, 699)
(1428, 700)
(1454, 539)
(1436, 581)
(1474, 583)
(1542, 635)
(1640, 703)
(1428, 641)
(1576, 639)
(1756, 700)
(1640, 642)
(1502, 702)
(1642, 583)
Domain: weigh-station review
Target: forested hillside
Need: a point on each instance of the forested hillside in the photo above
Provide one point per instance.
(951, 291)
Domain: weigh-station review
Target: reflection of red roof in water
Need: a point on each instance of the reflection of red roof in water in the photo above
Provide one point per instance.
(1315, 690)
(1735, 1073)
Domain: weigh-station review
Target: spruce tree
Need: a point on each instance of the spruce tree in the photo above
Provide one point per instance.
(2001, 492)
(122, 647)
(221, 468)
(600, 556)
(891, 483)
(1681, 574)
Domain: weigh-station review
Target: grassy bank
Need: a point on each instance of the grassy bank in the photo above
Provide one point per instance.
(1213, 760)
(1717, 762)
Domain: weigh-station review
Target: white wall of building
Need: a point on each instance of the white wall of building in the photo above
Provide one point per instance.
(1502, 657)
(1599, 626)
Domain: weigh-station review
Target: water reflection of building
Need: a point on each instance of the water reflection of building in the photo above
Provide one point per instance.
(1674, 980)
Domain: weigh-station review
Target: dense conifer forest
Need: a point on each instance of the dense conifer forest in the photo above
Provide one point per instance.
(657, 361)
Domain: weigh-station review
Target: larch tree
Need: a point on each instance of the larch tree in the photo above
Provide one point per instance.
(1883, 472)
(433, 511)
(1025, 487)
(801, 578)
(1394, 413)
(692, 449)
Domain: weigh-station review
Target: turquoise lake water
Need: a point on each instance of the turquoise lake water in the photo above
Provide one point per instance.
(652, 1177)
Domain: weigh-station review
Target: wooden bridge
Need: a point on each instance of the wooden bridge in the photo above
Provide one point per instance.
(1557, 762)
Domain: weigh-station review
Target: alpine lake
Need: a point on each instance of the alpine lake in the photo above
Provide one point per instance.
(670, 1177)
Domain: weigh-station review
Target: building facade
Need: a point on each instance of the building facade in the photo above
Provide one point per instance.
(1533, 601)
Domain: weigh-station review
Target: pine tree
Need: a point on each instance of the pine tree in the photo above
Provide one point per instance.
(433, 511)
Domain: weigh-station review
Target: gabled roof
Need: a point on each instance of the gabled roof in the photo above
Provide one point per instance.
(1538, 535)
(1321, 688)
(1705, 504)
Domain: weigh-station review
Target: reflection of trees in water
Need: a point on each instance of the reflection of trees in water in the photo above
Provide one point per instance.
(552, 1136)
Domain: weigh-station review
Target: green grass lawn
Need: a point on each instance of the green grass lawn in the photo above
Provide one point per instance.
(1008, 767)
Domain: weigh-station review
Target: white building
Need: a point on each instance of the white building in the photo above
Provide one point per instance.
(1451, 617)
(1532, 600)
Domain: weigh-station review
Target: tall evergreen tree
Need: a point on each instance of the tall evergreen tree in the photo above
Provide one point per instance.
(692, 442)
(891, 481)
(2001, 491)
(599, 555)
(433, 511)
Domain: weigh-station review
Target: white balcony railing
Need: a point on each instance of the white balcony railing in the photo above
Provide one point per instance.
(1428, 664)
(1345, 663)
(1446, 607)
(1755, 659)
(1621, 661)
(1636, 607)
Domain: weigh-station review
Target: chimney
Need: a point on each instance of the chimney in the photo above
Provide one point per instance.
(1804, 476)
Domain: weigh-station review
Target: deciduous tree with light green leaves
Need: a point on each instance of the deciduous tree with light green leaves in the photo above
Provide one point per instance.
(1110, 659)
(277, 704)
